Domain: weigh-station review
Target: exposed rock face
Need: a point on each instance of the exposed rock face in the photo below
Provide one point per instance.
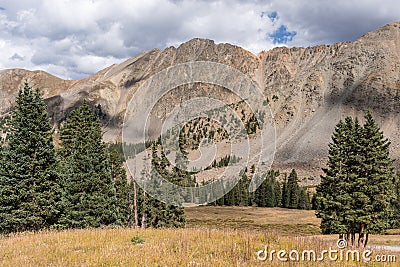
(309, 89)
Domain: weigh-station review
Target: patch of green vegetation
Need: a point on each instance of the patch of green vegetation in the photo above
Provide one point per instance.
(137, 239)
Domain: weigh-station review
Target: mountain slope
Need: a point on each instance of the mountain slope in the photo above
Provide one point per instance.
(309, 89)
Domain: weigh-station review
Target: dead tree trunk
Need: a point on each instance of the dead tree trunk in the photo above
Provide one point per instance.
(135, 211)
(130, 197)
(144, 216)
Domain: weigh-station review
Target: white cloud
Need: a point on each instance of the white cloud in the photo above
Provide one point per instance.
(74, 38)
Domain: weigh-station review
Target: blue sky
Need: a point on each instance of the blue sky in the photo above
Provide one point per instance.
(282, 35)
(75, 38)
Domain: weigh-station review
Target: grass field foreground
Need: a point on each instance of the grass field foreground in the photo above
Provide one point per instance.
(161, 247)
(193, 246)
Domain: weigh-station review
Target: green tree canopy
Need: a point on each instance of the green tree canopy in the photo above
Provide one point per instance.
(89, 193)
(357, 190)
(29, 185)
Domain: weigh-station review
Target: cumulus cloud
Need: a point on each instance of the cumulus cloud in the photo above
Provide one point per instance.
(76, 38)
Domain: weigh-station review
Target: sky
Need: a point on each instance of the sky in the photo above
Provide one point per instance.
(73, 39)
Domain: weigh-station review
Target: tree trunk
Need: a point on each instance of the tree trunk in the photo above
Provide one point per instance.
(366, 240)
(130, 196)
(135, 211)
(361, 236)
(131, 222)
(353, 238)
(144, 219)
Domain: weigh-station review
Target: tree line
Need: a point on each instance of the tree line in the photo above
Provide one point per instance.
(273, 192)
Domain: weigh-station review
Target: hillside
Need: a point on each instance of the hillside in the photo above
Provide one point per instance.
(309, 89)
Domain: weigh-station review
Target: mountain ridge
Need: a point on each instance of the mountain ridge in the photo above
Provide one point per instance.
(309, 89)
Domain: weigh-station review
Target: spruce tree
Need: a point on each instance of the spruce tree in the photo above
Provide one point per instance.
(304, 200)
(153, 212)
(260, 194)
(285, 193)
(88, 189)
(292, 190)
(357, 191)
(331, 208)
(376, 182)
(29, 185)
(122, 188)
(396, 204)
(270, 190)
(277, 188)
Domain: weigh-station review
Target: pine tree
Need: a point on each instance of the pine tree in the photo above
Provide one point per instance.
(29, 184)
(277, 188)
(153, 212)
(122, 188)
(304, 200)
(285, 193)
(357, 192)
(376, 182)
(260, 193)
(293, 190)
(88, 189)
(329, 195)
(396, 204)
(270, 198)
(314, 204)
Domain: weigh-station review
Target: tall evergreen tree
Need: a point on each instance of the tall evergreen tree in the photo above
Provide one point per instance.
(154, 213)
(396, 204)
(89, 193)
(304, 200)
(285, 193)
(277, 189)
(330, 208)
(293, 190)
(376, 181)
(29, 185)
(357, 191)
(270, 192)
(122, 188)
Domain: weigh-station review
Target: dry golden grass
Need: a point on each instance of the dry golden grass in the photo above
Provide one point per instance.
(281, 221)
(196, 246)
(162, 247)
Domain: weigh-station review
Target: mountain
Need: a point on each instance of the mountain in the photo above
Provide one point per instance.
(309, 89)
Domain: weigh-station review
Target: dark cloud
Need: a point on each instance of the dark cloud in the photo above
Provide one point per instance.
(320, 22)
(17, 57)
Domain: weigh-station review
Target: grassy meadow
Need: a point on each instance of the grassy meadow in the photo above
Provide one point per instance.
(215, 236)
